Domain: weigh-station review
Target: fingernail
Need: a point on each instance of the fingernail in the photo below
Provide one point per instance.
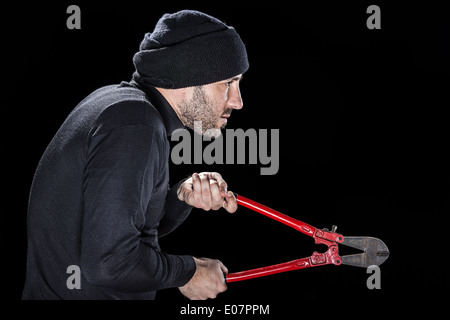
(195, 175)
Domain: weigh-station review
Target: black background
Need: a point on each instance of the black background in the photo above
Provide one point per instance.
(363, 123)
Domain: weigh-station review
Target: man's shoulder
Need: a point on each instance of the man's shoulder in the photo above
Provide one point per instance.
(116, 95)
(121, 105)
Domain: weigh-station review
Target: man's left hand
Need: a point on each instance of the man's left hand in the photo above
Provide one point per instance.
(207, 190)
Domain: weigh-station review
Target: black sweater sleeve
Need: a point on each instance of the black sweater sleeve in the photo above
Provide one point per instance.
(176, 211)
(123, 166)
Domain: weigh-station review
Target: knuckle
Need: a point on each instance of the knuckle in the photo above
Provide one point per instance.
(214, 187)
(223, 183)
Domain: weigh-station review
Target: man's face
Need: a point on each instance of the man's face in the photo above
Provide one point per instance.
(211, 104)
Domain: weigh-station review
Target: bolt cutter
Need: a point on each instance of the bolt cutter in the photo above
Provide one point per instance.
(375, 252)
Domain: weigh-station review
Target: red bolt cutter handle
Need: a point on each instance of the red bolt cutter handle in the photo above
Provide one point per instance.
(265, 271)
(278, 216)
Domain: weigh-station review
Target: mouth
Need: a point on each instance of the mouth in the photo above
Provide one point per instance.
(225, 116)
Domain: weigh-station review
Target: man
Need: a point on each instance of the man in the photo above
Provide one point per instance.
(100, 197)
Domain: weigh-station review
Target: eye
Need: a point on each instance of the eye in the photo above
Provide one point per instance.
(228, 84)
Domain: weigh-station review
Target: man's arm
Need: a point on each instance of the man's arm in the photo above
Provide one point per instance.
(113, 254)
(176, 211)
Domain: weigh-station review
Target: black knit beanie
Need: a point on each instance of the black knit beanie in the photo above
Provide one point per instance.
(189, 48)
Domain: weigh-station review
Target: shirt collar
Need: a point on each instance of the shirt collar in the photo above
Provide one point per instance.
(170, 118)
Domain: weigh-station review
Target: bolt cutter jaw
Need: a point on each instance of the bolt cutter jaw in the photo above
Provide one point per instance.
(375, 252)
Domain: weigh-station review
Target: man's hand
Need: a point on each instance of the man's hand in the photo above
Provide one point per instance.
(207, 191)
(208, 280)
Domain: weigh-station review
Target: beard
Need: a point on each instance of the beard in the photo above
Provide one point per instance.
(201, 109)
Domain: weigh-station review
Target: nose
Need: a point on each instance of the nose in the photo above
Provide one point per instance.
(234, 97)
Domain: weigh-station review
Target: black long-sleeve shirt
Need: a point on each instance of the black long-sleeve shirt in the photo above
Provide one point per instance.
(100, 200)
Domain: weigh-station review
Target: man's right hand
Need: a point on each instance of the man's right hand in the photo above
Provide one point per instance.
(208, 280)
